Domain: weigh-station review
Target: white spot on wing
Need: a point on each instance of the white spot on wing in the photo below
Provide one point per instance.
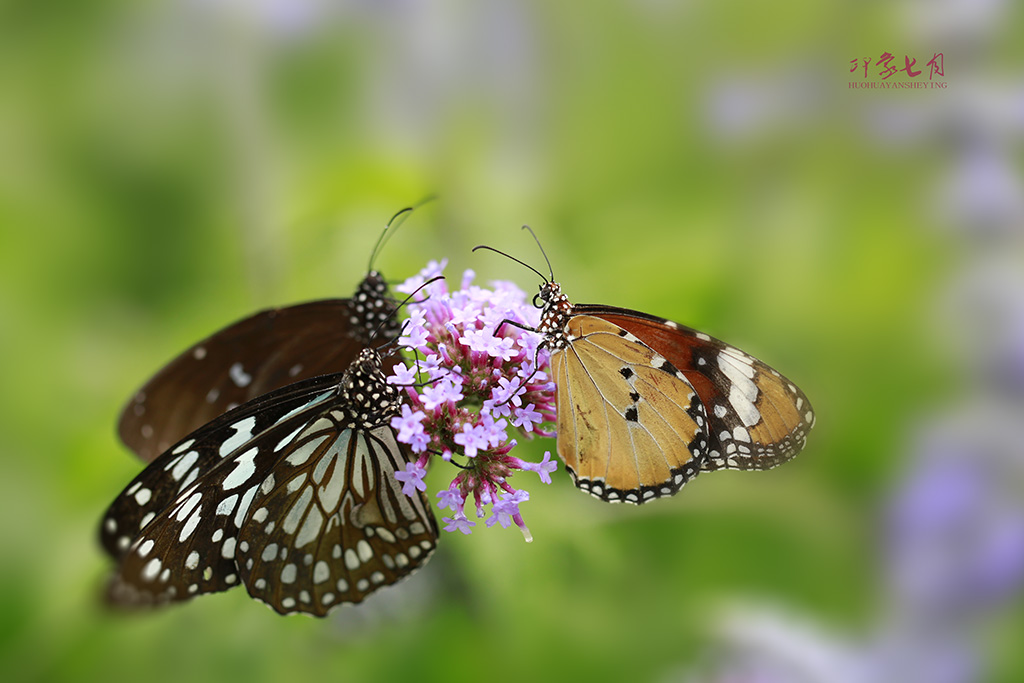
(151, 569)
(190, 525)
(302, 453)
(245, 467)
(351, 559)
(184, 464)
(243, 507)
(227, 506)
(295, 514)
(364, 550)
(239, 376)
(243, 432)
(744, 407)
(182, 446)
(186, 507)
(310, 530)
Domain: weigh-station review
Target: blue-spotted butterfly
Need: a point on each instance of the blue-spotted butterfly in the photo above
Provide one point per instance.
(645, 404)
(291, 494)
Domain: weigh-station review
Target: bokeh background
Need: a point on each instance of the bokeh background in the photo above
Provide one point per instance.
(169, 167)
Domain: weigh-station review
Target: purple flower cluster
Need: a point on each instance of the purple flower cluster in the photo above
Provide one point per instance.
(470, 378)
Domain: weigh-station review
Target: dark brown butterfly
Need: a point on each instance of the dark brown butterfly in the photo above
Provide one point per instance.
(645, 404)
(265, 351)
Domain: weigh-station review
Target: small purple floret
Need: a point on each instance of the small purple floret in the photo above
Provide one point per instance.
(459, 523)
(412, 479)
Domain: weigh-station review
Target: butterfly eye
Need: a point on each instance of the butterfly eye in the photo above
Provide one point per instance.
(538, 300)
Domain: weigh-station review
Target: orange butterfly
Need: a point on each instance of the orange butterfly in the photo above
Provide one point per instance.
(645, 404)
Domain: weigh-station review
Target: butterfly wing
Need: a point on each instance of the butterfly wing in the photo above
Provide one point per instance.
(630, 426)
(178, 468)
(757, 418)
(189, 531)
(332, 524)
(263, 352)
(309, 493)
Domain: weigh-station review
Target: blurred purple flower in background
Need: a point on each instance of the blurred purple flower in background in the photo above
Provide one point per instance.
(277, 18)
(983, 192)
(955, 532)
(741, 108)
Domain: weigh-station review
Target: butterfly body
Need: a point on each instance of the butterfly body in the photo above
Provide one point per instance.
(645, 404)
(292, 495)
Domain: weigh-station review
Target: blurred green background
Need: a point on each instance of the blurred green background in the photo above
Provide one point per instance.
(169, 167)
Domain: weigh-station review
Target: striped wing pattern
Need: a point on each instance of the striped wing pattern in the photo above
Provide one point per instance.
(331, 525)
(263, 352)
(273, 495)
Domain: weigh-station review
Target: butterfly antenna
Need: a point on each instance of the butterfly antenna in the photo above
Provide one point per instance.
(522, 263)
(542, 252)
(393, 225)
(403, 303)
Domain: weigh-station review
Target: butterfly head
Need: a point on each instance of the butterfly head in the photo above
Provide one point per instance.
(369, 399)
(555, 313)
(371, 307)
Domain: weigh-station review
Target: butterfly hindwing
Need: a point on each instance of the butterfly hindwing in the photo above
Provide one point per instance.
(757, 418)
(630, 426)
(332, 524)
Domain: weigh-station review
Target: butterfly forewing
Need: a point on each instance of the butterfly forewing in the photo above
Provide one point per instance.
(757, 418)
(252, 357)
(187, 547)
(179, 467)
(332, 524)
(630, 426)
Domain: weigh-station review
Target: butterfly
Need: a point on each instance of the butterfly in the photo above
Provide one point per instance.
(265, 351)
(292, 495)
(645, 404)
